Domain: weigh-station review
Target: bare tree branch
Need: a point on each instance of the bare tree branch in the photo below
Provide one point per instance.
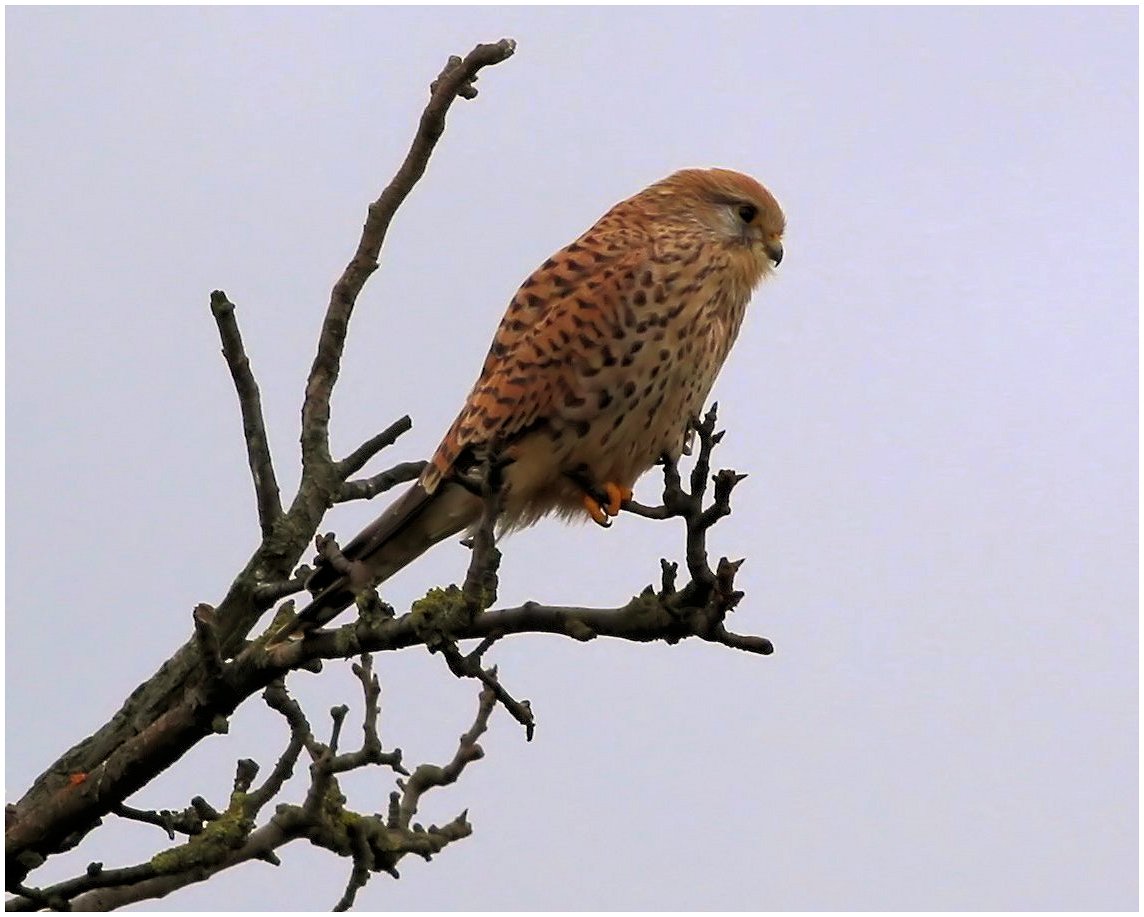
(427, 776)
(469, 667)
(218, 669)
(189, 821)
(374, 843)
(250, 402)
(357, 459)
(697, 610)
(60, 896)
(371, 749)
(206, 633)
(267, 595)
(277, 699)
(455, 80)
(360, 874)
(189, 697)
(368, 488)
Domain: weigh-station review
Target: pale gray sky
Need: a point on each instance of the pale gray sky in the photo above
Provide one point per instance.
(936, 400)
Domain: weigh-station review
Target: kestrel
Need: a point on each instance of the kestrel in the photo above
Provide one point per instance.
(605, 354)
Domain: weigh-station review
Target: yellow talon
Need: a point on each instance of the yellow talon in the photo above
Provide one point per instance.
(596, 510)
(601, 510)
(616, 497)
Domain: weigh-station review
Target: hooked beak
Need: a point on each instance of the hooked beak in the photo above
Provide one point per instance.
(775, 251)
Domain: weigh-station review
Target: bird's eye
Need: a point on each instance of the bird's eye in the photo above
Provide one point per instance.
(747, 212)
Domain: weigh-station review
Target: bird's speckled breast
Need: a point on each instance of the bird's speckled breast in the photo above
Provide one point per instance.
(634, 397)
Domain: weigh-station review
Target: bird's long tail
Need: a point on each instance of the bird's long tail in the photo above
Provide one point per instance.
(411, 525)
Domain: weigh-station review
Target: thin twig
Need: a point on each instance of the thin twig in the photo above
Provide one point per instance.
(371, 750)
(368, 488)
(465, 667)
(278, 699)
(427, 776)
(189, 821)
(250, 402)
(357, 459)
(480, 591)
(269, 594)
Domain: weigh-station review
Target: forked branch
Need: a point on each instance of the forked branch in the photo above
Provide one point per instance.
(182, 701)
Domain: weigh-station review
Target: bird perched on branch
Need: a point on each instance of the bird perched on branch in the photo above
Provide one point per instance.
(603, 357)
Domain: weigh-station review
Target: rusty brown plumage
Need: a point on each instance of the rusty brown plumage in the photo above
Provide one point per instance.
(603, 356)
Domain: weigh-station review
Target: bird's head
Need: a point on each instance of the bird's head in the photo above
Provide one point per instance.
(734, 210)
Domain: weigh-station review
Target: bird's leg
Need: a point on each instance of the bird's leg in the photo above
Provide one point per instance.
(617, 497)
(601, 501)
